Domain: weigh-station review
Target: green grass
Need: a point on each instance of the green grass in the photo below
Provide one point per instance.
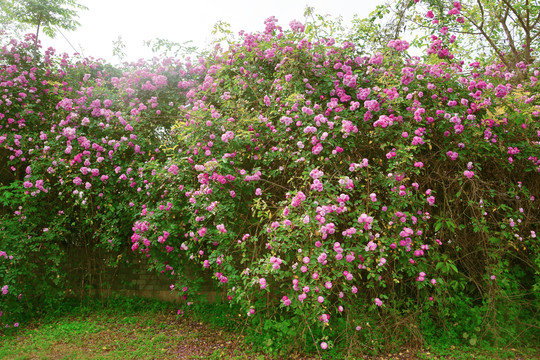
(127, 329)
(131, 328)
(98, 337)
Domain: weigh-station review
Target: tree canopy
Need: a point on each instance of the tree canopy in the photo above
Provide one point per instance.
(46, 14)
(485, 30)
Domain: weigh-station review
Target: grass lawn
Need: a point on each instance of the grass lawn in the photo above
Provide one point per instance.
(142, 329)
(137, 336)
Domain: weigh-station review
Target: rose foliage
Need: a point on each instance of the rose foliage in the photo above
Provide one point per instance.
(370, 194)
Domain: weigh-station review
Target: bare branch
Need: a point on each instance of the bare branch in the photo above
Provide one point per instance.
(507, 32)
(489, 40)
(528, 13)
(401, 15)
(481, 12)
(518, 16)
(536, 21)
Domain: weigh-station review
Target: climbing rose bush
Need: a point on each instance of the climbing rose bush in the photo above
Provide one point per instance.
(310, 183)
(74, 137)
(338, 188)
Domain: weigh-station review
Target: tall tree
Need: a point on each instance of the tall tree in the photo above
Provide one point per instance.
(48, 15)
(506, 30)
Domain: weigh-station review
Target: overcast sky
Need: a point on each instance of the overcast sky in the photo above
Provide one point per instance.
(180, 21)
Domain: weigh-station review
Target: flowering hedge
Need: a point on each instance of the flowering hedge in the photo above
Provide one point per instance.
(74, 135)
(337, 190)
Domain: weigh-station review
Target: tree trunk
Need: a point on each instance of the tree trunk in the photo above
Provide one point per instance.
(37, 32)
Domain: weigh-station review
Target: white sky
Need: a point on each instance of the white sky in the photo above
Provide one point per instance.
(181, 20)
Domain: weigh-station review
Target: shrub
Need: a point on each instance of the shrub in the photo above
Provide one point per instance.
(75, 134)
(323, 185)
